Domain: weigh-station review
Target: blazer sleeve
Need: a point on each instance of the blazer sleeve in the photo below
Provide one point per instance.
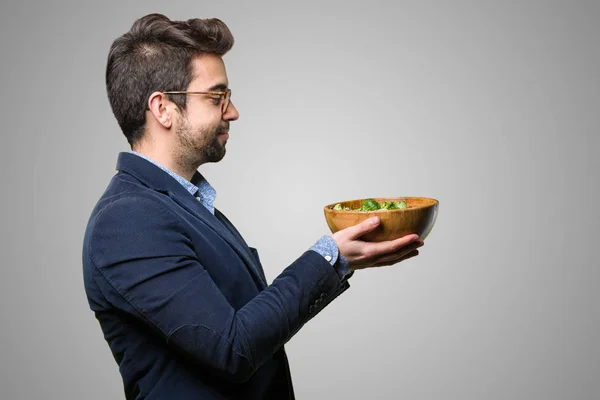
(143, 254)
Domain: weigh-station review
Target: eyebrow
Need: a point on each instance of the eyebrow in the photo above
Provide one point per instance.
(217, 87)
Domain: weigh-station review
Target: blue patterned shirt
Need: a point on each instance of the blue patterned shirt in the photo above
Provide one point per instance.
(206, 194)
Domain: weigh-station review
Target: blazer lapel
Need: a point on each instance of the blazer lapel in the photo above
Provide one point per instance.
(190, 204)
(155, 178)
(223, 219)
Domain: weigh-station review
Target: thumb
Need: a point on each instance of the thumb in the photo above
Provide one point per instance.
(364, 227)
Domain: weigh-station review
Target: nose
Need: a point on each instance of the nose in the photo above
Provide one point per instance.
(232, 113)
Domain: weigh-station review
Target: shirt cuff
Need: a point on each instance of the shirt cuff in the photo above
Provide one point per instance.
(327, 247)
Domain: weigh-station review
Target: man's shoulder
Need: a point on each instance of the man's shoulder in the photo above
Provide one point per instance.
(126, 199)
(131, 210)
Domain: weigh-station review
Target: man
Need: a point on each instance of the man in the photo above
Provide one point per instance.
(180, 296)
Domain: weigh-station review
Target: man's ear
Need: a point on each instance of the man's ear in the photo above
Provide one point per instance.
(162, 109)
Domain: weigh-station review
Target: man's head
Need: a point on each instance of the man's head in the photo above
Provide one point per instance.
(158, 55)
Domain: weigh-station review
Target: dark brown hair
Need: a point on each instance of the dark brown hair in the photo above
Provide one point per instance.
(155, 55)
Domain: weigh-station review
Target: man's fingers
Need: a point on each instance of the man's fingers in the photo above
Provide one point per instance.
(396, 256)
(392, 246)
(401, 252)
(363, 254)
(405, 257)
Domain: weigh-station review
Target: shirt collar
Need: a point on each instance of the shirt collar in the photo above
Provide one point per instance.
(189, 186)
(198, 187)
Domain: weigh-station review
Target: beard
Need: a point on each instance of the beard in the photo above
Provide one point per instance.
(198, 146)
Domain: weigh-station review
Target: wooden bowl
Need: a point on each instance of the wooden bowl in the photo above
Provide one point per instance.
(418, 218)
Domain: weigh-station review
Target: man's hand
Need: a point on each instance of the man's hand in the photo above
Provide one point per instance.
(363, 254)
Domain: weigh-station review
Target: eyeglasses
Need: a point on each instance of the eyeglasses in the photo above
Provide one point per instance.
(224, 97)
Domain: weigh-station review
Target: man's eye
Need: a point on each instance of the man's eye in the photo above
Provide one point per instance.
(216, 99)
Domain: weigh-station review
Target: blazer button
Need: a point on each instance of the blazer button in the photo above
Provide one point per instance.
(318, 302)
(311, 309)
(323, 296)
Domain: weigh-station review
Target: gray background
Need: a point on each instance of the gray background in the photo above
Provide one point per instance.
(490, 107)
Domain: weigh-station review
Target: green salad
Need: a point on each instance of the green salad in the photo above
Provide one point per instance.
(372, 205)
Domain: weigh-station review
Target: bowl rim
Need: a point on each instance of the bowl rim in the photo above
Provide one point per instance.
(329, 207)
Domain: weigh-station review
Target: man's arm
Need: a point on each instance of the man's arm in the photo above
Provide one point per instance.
(141, 252)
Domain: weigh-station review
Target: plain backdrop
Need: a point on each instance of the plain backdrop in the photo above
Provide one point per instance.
(490, 107)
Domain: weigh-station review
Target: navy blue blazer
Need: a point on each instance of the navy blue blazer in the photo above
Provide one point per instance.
(182, 299)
